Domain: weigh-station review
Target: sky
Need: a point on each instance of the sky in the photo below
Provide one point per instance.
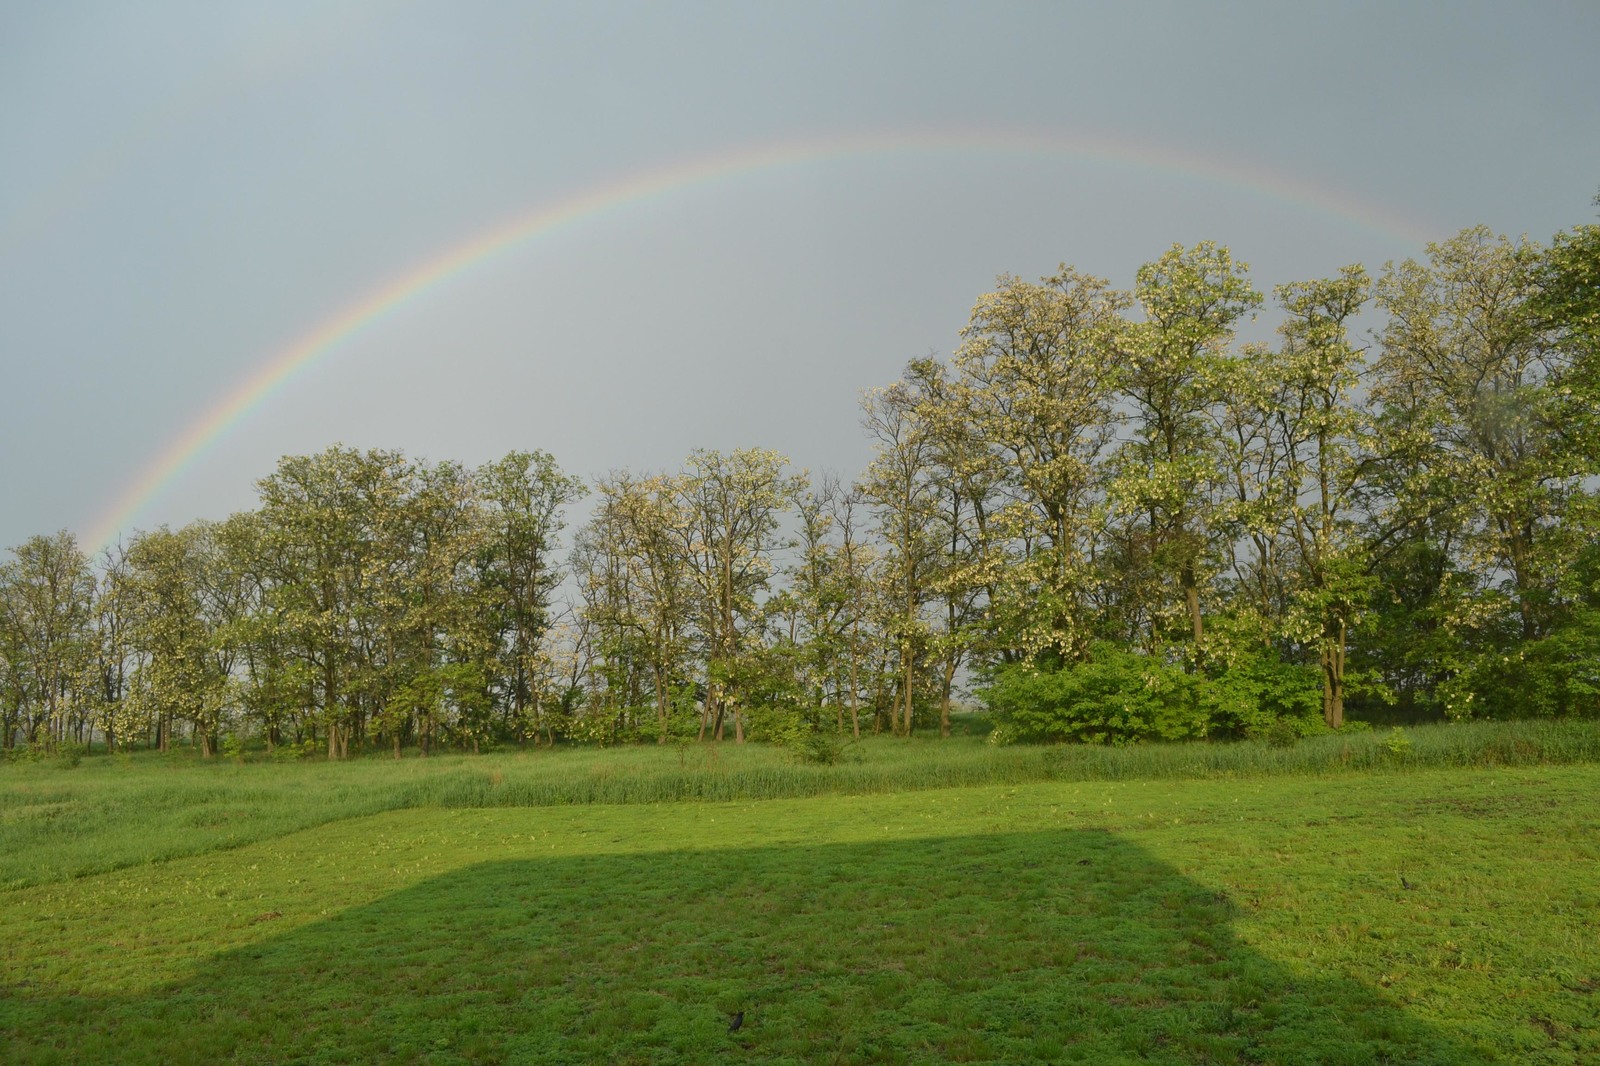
(618, 232)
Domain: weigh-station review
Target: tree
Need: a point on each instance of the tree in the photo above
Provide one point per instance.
(46, 611)
(439, 639)
(1486, 383)
(183, 666)
(1037, 373)
(857, 562)
(636, 585)
(277, 683)
(730, 507)
(524, 495)
(1566, 304)
(904, 498)
(1165, 474)
(1468, 378)
(112, 650)
(1322, 442)
(321, 545)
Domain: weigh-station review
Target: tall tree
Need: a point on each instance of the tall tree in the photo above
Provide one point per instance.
(525, 495)
(1469, 379)
(637, 587)
(439, 643)
(321, 545)
(1037, 371)
(1323, 443)
(905, 499)
(181, 677)
(1192, 299)
(46, 611)
(824, 584)
(1567, 305)
(112, 651)
(731, 505)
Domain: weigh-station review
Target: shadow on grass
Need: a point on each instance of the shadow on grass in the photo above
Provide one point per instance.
(1064, 946)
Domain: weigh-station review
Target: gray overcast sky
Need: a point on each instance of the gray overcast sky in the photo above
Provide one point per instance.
(186, 190)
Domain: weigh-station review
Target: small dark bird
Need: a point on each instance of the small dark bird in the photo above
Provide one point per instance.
(1406, 884)
(738, 1020)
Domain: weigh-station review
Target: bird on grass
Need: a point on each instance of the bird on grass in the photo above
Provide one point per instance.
(1406, 884)
(738, 1020)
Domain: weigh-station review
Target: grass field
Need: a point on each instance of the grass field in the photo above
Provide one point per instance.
(1430, 905)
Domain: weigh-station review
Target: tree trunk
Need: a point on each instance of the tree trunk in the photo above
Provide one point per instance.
(330, 691)
(1191, 600)
(944, 696)
(661, 706)
(910, 671)
(1333, 678)
(855, 700)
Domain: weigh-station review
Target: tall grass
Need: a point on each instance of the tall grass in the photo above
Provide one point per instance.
(117, 811)
(648, 775)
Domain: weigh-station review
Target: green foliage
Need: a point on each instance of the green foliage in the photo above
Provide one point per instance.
(1280, 733)
(1115, 697)
(1397, 743)
(815, 744)
(1203, 529)
(1555, 676)
(1118, 697)
(1255, 693)
(294, 752)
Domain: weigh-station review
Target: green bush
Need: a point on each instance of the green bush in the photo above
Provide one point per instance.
(1260, 696)
(1557, 676)
(1280, 733)
(66, 753)
(1115, 697)
(1119, 697)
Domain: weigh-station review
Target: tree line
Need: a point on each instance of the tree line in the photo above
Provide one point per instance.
(1112, 515)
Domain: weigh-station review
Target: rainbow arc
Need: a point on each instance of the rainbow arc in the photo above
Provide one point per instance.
(280, 368)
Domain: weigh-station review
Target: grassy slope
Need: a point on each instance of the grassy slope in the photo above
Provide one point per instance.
(1174, 921)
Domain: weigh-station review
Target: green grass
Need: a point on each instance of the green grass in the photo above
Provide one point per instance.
(1233, 915)
(117, 811)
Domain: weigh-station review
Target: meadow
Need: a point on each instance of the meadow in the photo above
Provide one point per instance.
(1428, 896)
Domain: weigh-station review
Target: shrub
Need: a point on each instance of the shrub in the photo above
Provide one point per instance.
(1556, 676)
(1115, 697)
(820, 747)
(1280, 733)
(1258, 695)
(1119, 697)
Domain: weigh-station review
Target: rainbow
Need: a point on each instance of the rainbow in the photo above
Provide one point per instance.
(279, 369)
